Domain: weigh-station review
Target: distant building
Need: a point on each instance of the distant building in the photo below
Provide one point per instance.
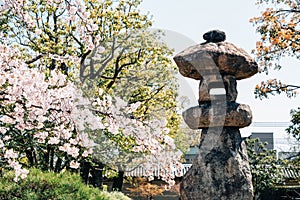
(287, 155)
(274, 133)
(265, 137)
(191, 154)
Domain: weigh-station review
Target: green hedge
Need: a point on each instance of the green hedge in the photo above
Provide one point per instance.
(55, 186)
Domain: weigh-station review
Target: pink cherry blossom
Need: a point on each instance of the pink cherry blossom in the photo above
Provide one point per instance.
(74, 164)
(53, 140)
(10, 153)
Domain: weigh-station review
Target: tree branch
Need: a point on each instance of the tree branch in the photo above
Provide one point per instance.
(82, 67)
(284, 10)
(34, 59)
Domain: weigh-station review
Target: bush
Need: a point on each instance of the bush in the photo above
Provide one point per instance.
(55, 186)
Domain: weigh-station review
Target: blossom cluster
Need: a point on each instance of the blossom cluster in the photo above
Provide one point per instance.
(278, 27)
(73, 15)
(152, 148)
(36, 114)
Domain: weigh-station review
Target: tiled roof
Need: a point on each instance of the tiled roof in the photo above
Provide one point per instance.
(291, 173)
(140, 172)
(288, 173)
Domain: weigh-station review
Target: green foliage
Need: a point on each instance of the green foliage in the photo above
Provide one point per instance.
(264, 165)
(48, 185)
(186, 138)
(294, 129)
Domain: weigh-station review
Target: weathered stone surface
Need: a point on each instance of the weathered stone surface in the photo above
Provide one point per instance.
(230, 87)
(228, 82)
(221, 170)
(196, 61)
(212, 115)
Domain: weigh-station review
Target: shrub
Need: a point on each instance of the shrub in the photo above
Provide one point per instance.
(55, 186)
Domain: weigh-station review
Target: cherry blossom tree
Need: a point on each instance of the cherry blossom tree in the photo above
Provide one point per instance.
(37, 116)
(44, 120)
(54, 114)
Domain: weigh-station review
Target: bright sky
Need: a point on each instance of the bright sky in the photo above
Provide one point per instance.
(189, 19)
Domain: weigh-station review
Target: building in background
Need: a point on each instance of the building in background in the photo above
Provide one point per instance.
(265, 137)
(274, 133)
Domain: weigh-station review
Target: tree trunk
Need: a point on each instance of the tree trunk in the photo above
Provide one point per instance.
(97, 177)
(118, 182)
(84, 171)
(30, 157)
(52, 159)
(58, 165)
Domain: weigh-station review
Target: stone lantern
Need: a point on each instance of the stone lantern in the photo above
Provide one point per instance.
(221, 169)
